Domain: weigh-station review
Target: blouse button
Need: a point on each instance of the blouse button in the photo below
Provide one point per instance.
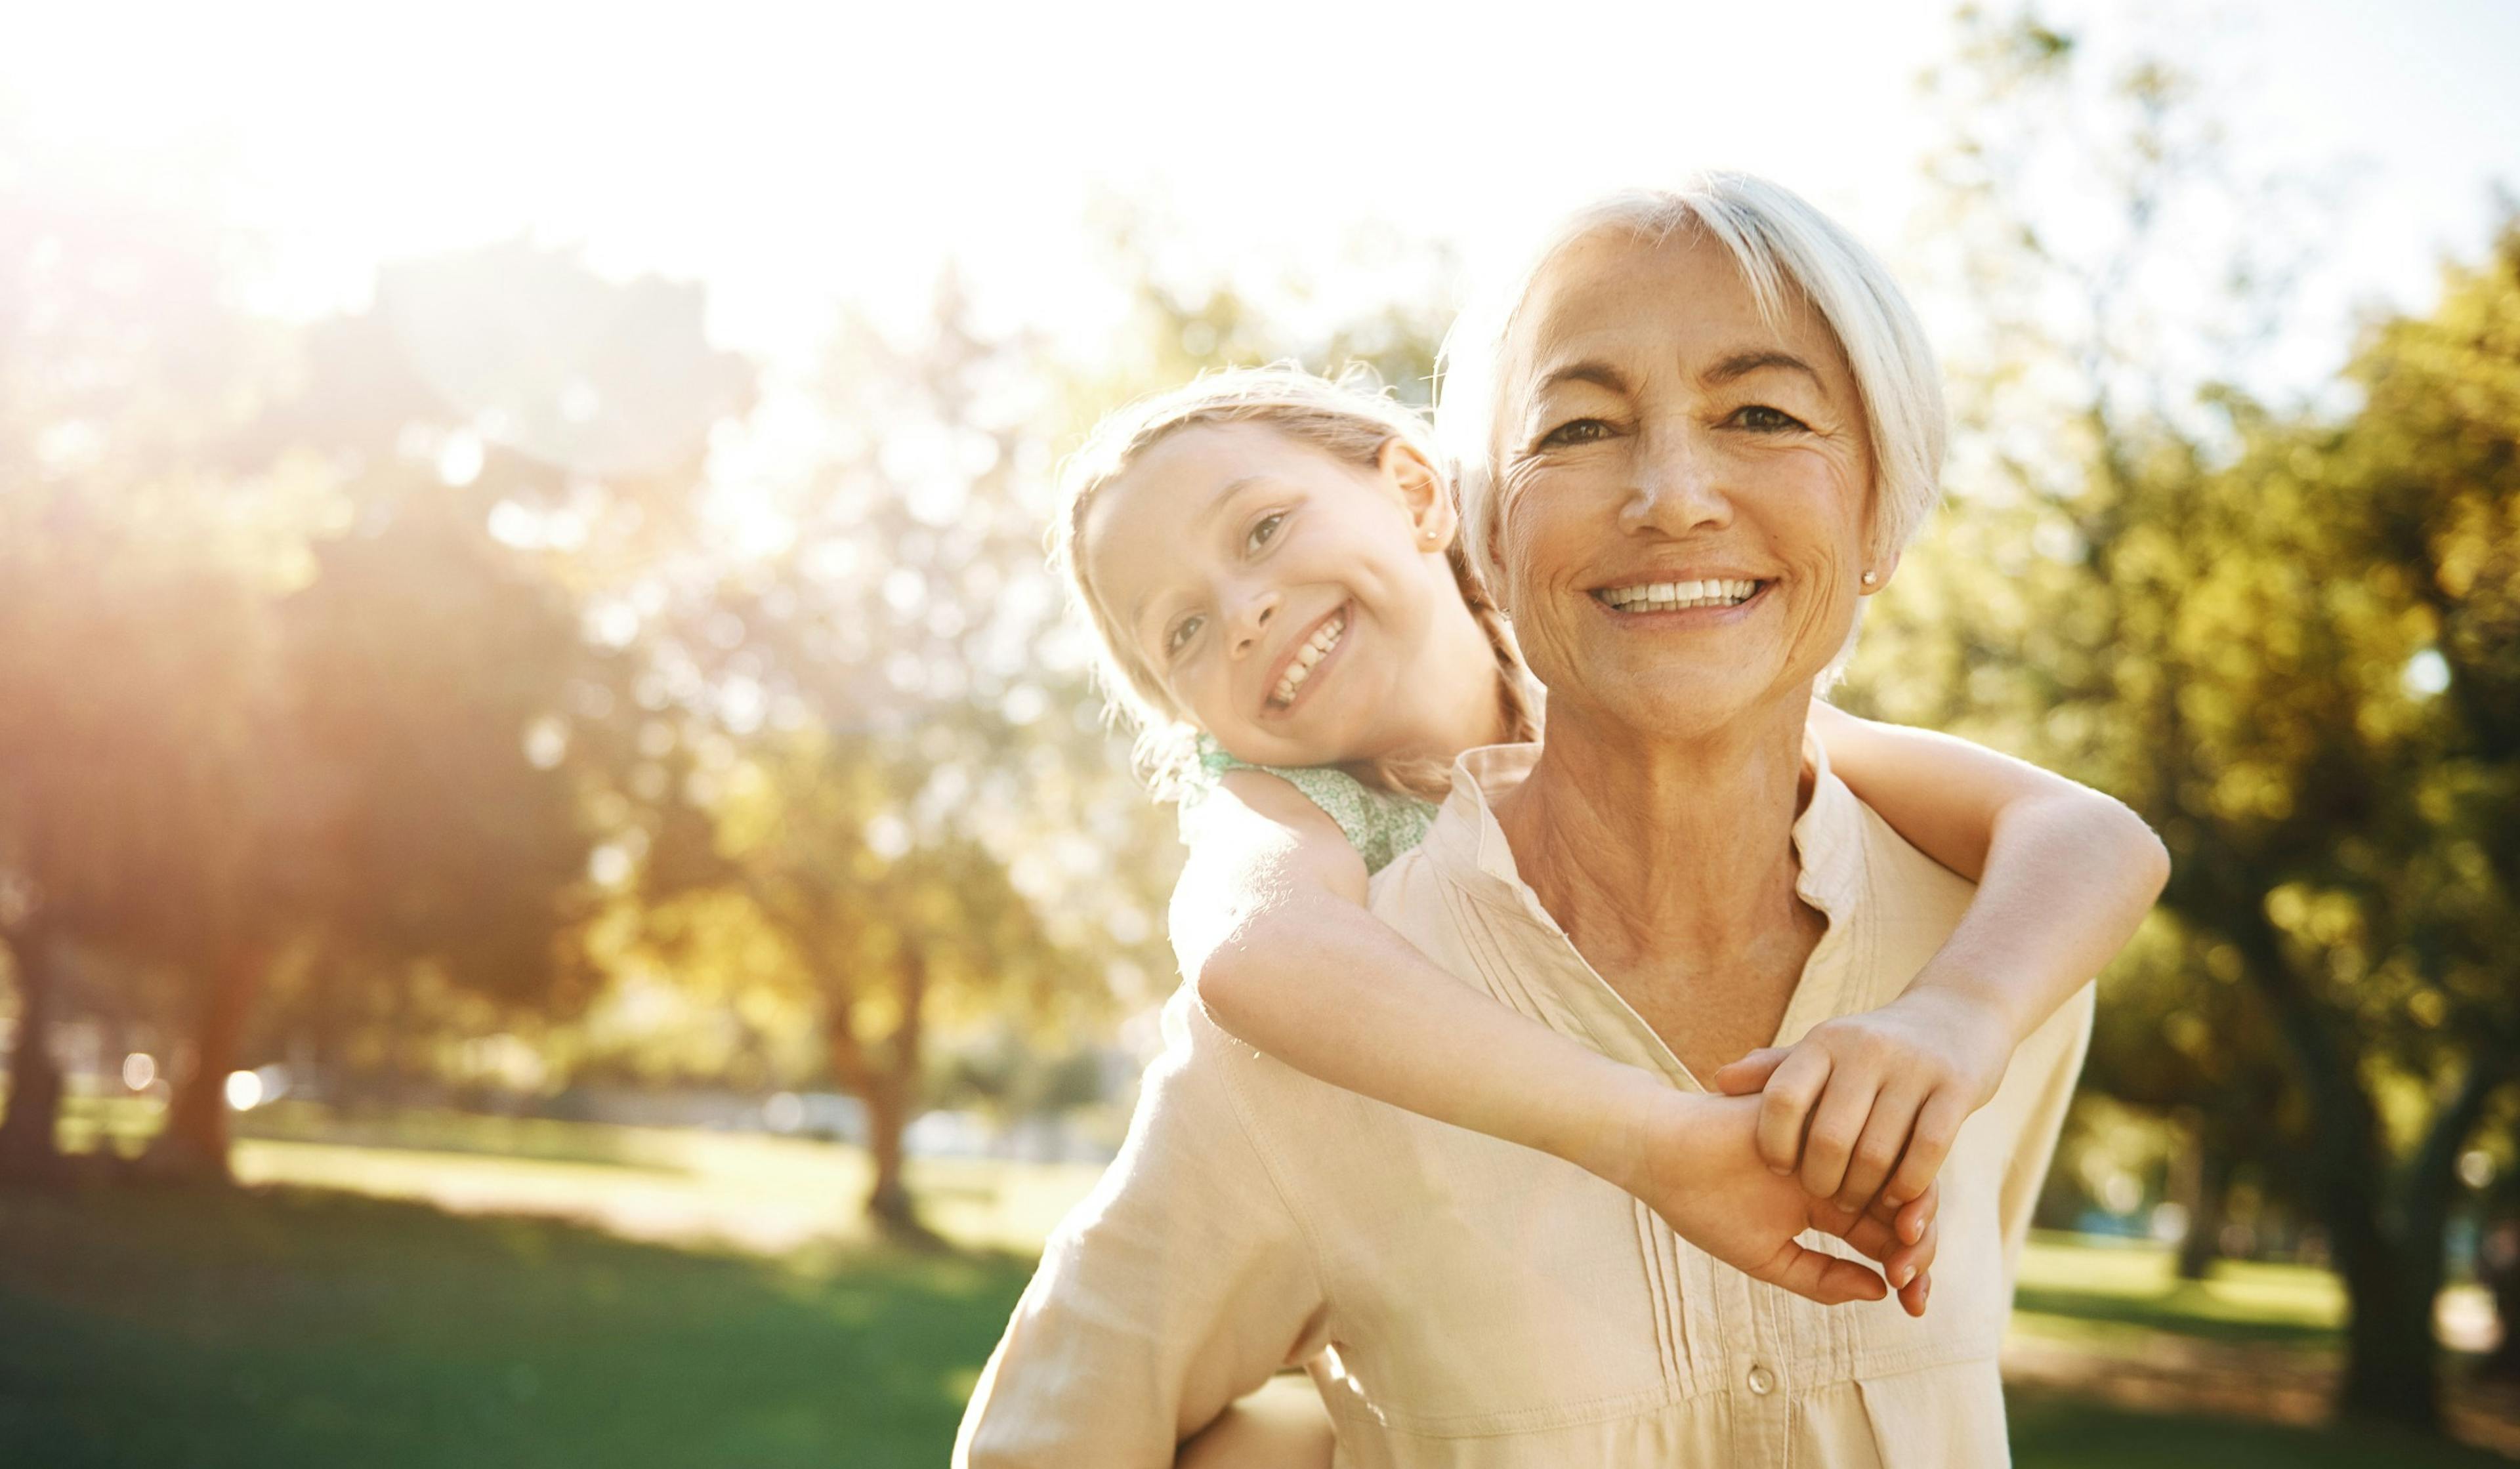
(1762, 1381)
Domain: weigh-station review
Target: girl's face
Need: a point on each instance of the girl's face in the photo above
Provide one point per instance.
(1286, 599)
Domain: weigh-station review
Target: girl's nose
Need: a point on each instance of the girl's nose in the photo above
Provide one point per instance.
(1251, 621)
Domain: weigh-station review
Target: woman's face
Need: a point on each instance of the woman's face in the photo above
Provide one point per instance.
(1282, 597)
(1684, 489)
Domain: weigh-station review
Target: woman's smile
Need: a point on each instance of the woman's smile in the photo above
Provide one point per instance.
(1681, 601)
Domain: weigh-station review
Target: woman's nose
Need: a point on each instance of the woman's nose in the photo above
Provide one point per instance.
(1252, 620)
(1678, 488)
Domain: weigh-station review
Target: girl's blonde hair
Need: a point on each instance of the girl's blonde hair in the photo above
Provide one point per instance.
(1351, 419)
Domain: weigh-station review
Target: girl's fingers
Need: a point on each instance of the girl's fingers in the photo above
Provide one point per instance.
(1836, 1123)
(1906, 1262)
(1866, 1233)
(1915, 1217)
(1877, 1151)
(1821, 1276)
(1785, 1103)
(1912, 1296)
(1750, 1073)
(1938, 1122)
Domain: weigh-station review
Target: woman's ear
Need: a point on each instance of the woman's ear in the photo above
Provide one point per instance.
(1426, 493)
(1876, 574)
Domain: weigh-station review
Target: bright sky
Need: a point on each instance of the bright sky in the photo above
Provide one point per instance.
(796, 156)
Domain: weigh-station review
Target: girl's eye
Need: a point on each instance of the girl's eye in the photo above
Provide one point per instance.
(1766, 419)
(1183, 631)
(1575, 431)
(1265, 531)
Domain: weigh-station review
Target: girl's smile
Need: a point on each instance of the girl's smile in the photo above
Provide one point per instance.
(1304, 666)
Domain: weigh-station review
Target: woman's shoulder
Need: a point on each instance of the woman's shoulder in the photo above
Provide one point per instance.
(1379, 824)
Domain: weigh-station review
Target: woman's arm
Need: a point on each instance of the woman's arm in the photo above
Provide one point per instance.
(2065, 876)
(1270, 924)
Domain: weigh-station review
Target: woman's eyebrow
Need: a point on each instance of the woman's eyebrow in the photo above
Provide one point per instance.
(1744, 364)
(1591, 370)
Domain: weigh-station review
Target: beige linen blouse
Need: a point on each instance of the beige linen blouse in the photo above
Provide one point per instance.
(1461, 1301)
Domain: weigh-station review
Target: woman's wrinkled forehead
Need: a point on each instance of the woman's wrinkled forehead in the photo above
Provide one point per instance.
(1610, 284)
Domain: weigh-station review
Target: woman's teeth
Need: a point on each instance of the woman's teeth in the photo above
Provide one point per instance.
(1670, 597)
(1315, 649)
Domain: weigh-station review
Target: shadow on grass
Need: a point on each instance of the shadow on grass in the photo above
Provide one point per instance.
(2054, 1430)
(209, 1327)
(2189, 1309)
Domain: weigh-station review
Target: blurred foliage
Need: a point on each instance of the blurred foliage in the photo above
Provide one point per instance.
(2281, 635)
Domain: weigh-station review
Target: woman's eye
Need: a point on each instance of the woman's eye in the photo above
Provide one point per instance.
(1265, 531)
(1760, 416)
(1183, 631)
(1578, 432)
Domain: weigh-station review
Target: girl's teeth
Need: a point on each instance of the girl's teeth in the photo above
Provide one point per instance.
(1668, 596)
(1315, 649)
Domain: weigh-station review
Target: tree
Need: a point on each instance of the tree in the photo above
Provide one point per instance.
(292, 671)
(819, 838)
(883, 734)
(2244, 622)
(139, 539)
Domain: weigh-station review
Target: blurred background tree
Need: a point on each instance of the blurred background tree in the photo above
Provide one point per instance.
(2263, 627)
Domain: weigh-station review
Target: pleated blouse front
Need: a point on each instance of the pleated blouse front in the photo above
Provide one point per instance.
(1464, 1302)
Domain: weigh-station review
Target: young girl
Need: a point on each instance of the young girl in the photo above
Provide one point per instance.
(1270, 561)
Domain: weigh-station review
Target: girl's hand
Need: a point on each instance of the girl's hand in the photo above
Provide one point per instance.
(1701, 1171)
(1867, 1105)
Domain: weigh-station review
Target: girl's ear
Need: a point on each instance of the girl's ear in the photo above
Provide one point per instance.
(1427, 495)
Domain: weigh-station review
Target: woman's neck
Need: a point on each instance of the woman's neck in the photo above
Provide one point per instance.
(1681, 849)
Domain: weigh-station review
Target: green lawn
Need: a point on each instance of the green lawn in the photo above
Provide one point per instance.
(2054, 1431)
(337, 1314)
(2104, 1291)
(294, 1326)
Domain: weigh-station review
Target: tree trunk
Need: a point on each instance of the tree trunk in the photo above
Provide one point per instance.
(2391, 1362)
(2209, 1181)
(193, 1147)
(29, 1138)
(2499, 1265)
(889, 1090)
(888, 1203)
(2393, 1276)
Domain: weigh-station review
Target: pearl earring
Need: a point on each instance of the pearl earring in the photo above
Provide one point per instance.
(1869, 577)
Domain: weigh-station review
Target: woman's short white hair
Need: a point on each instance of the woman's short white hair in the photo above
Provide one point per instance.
(1782, 245)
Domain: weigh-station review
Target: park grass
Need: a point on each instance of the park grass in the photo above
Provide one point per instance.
(302, 1326)
(339, 1310)
(2099, 1291)
(2052, 1430)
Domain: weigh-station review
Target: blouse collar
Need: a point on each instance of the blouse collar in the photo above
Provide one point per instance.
(1470, 845)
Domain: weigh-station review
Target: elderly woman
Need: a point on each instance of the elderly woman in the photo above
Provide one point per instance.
(1715, 384)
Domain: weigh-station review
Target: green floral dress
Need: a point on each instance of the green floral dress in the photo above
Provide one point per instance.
(1379, 824)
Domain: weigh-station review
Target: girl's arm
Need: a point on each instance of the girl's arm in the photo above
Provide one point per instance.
(1270, 924)
(2065, 876)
